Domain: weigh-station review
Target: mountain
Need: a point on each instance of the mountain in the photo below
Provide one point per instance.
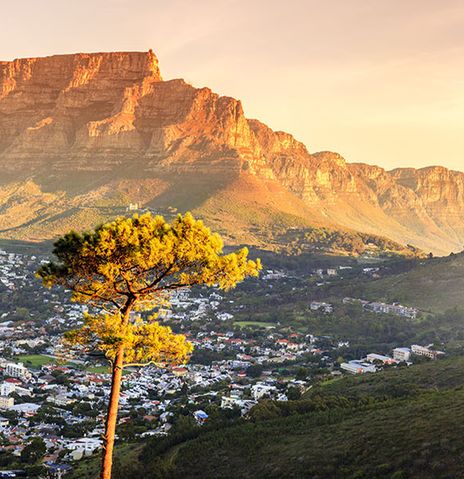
(84, 135)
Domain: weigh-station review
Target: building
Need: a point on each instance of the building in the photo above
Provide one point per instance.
(6, 402)
(358, 367)
(6, 388)
(61, 400)
(319, 306)
(16, 370)
(200, 416)
(402, 354)
(260, 390)
(425, 351)
(396, 309)
(26, 409)
(133, 207)
(372, 357)
(229, 402)
(87, 445)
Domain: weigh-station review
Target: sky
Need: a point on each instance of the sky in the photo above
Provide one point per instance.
(378, 81)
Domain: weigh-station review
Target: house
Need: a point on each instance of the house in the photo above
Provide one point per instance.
(261, 390)
(86, 444)
(4, 422)
(200, 416)
(26, 409)
(320, 306)
(229, 402)
(6, 388)
(61, 400)
(179, 371)
(58, 470)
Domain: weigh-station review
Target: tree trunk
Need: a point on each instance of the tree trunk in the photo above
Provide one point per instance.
(112, 416)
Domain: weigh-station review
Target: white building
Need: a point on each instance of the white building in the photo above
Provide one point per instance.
(426, 351)
(229, 402)
(17, 370)
(402, 354)
(358, 367)
(380, 357)
(260, 390)
(319, 306)
(27, 409)
(87, 445)
(7, 388)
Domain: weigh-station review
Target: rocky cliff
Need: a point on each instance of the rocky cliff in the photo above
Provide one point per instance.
(84, 135)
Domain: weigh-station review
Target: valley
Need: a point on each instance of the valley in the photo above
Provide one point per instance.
(268, 363)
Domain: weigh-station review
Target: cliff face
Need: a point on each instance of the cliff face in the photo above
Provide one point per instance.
(99, 111)
(81, 132)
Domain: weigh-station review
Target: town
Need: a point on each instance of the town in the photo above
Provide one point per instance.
(55, 396)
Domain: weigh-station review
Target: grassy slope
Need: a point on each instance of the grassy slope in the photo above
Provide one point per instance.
(404, 382)
(412, 427)
(244, 209)
(414, 439)
(434, 285)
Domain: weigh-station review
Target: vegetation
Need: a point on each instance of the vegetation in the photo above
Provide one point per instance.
(406, 423)
(129, 265)
(434, 285)
(35, 361)
(345, 242)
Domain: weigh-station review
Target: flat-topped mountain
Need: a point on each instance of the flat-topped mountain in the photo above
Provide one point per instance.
(82, 136)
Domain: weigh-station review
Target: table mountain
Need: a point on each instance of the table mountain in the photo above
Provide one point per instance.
(82, 136)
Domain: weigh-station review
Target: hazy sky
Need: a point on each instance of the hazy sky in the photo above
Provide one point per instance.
(379, 81)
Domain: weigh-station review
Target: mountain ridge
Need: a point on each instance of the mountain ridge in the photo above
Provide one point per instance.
(79, 126)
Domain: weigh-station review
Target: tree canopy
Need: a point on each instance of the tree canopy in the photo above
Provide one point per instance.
(135, 263)
(143, 257)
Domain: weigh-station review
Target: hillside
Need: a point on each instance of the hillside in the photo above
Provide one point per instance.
(435, 285)
(406, 423)
(82, 136)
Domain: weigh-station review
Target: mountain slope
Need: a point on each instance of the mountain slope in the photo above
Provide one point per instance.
(78, 130)
(402, 423)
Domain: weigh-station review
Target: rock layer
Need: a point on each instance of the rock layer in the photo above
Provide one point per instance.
(95, 127)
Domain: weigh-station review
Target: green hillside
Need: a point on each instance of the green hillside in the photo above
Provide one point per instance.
(435, 285)
(344, 242)
(403, 423)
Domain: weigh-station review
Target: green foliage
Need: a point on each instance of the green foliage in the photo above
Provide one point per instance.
(136, 263)
(143, 256)
(349, 242)
(34, 451)
(255, 371)
(435, 285)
